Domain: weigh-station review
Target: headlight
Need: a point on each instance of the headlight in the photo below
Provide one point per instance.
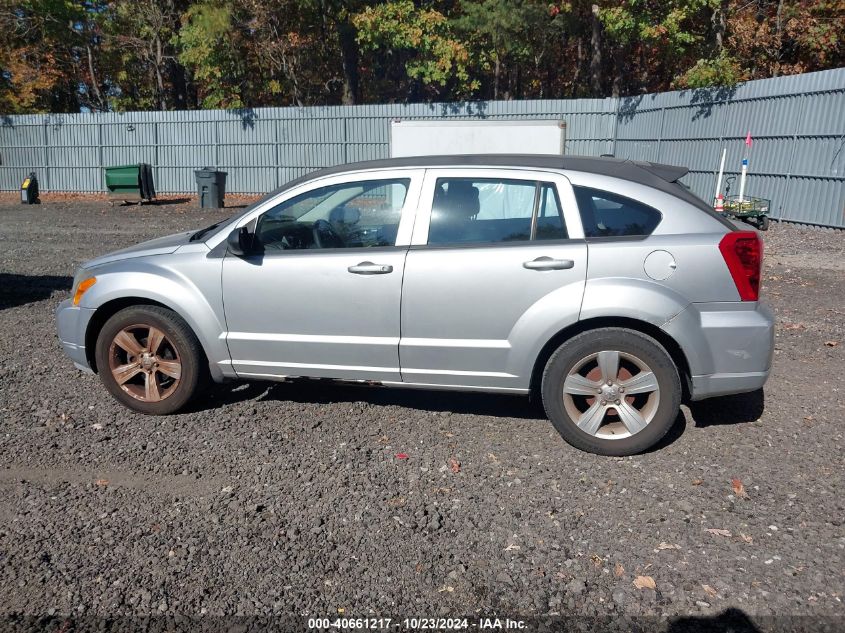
(81, 283)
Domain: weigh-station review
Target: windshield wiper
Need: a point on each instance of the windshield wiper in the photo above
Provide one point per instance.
(199, 234)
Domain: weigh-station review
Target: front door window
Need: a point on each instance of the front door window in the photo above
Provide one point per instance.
(349, 215)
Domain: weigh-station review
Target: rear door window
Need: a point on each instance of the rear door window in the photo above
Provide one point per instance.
(606, 214)
(485, 210)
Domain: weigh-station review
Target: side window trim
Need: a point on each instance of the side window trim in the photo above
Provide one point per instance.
(560, 210)
(532, 233)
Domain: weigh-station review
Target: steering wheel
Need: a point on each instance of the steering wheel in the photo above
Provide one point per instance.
(325, 235)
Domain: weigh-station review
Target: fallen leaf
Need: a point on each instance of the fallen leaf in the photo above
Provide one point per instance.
(341, 610)
(709, 590)
(739, 489)
(597, 560)
(401, 455)
(102, 482)
(719, 532)
(493, 457)
(668, 546)
(618, 570)
(512, 546)
(831, 343)
(454, 465)
(644, 582)
(746, 538)
(697, 482)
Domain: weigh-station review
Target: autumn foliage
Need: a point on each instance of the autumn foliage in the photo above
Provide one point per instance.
(99, 55)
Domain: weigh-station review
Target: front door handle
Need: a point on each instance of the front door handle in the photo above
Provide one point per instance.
(369, 268)
(547, 263)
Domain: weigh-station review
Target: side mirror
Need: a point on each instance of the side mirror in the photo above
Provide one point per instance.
(240, 241)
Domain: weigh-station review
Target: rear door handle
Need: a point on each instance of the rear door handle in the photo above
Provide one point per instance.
(369, 268)
(547, 263)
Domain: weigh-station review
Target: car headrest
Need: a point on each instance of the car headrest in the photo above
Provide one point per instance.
(344, 215)
(462, 200)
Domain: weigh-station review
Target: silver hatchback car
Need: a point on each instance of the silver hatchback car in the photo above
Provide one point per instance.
(601, 285)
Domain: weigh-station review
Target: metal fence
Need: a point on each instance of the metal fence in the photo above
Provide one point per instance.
(797, 123)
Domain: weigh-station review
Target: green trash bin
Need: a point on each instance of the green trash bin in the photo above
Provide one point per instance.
(132, 183)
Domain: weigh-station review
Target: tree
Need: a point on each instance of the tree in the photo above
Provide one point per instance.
(651, 37)
(424, 43)
(105, 55)
(505, 36)
(142, 40)
(39, 58)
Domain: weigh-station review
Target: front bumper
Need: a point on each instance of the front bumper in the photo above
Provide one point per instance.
(728, 346)
(72, 323)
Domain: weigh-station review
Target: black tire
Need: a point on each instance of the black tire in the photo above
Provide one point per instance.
(180, 344)
(629, 342)
(763, 223)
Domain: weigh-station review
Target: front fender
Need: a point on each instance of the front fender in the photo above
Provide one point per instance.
(194, 297)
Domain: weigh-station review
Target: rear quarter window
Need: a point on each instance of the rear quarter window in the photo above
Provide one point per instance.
(606, 214)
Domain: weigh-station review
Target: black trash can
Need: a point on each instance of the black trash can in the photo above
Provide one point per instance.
(211, 187)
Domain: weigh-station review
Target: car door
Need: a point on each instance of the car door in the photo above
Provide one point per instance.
(497, 266)
(322, 297)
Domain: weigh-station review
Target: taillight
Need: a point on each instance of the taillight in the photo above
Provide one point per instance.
(743, 253)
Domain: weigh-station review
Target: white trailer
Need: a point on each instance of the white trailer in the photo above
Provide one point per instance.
(429, 138)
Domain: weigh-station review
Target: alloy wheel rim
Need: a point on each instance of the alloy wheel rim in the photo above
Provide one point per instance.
(145, 363)
(611, 394)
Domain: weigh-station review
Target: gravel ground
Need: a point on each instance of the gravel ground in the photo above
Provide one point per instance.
(289, 498)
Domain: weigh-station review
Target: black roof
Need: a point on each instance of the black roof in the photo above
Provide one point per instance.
(636, 171)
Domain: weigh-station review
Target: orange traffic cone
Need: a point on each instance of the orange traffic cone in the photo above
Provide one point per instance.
(720, 203)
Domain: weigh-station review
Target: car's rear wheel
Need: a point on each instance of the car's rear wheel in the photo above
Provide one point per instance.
(149, 359)
(611, 391)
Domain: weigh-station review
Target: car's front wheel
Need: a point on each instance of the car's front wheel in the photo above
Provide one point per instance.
(611, 391)
(149, 359)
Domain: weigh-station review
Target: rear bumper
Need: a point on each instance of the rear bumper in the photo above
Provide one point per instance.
(726, 384)
(71, 323)
(728, 346)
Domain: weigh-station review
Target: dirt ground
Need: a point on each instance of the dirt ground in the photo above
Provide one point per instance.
(270, 499)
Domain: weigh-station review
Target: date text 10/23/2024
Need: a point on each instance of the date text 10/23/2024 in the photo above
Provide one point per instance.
(417, 624)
